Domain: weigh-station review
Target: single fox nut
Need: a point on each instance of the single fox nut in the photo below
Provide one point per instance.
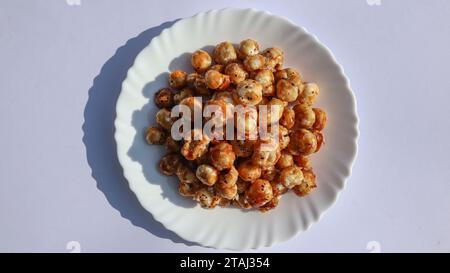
(217, 110)
(243, 148)
(273, 203)
(264, 100)
(289, 74)
(155, 135)
(278, 188)
(246, 123)
(283, 137)
(274, 58)
(286, 160)
(203, 159)
(304, 116)
(248, 171)
(307, 185)
(236, 72)
(225, 96)
(248, 92)
(178, 79)
(242, 185)
(193, 149)
(172, 145)
(303, 142)
(185, 174)
(319, 138)
(200, 86)
(164, 119)
(273, 111)
(225, 202)
(309, 93)
(229, 177)
(218, 67)
(191, 77)
(286, 74)
(269, 91)
(225, 191)
(201, 61)
(320, 119)
(287, 90)
(164, 98)
(207, 174)
(189, 189)
(196, 146)
(242, 202)
(194, 105)
(182, 94)
(303, 162)
(222, 156)
(169, 163)
(266, 153)
(288, 118)
(269, 173)
(259, 193)
(224, 53)
(264, 77)
(291, 176)
(254, 62)
(216, 80)
(248, 47)
(206, 199)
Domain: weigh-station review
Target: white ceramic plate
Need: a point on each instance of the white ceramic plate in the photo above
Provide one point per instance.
(228, 227)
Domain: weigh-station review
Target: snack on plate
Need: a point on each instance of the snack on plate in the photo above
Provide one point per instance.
(254, 169)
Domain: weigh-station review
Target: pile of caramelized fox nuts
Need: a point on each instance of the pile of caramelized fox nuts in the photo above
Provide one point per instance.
(239, 172)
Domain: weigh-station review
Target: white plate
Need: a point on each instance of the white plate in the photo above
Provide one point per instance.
(228, 227)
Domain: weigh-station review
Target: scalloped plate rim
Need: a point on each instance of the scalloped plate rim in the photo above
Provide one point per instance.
(347, 86)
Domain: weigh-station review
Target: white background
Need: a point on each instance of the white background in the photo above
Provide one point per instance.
(396, 56)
